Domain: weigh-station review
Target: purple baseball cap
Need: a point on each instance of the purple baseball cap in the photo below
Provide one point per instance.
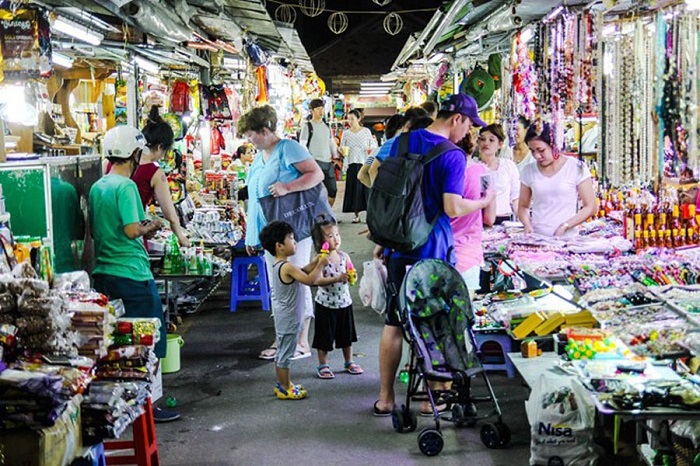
(464, 104)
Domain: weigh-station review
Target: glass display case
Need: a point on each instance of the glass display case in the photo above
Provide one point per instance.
(48, 198)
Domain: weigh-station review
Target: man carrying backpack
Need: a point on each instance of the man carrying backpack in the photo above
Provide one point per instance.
(316, 136)
(441, 187)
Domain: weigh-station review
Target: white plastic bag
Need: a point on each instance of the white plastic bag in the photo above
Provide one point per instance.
(561, 421)
(373, 285)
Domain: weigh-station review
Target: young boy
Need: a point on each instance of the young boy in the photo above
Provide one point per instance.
(277, 238)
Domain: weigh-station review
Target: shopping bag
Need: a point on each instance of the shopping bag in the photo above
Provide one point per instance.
(299, 209)
(561, 419)
(373, 285)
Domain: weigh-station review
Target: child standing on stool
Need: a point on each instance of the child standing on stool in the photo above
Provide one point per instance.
(334, 321)
(287, 303)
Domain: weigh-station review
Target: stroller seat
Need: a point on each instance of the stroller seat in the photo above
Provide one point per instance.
(436, 317)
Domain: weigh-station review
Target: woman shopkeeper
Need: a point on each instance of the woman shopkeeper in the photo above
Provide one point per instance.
(551, 188)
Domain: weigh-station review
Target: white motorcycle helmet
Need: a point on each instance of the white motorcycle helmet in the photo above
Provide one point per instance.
(122, 141)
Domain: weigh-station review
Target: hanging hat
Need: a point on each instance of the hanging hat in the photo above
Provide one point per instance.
(480, 85)
(494, 63)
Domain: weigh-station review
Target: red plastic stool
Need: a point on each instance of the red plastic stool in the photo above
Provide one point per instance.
(144, 443)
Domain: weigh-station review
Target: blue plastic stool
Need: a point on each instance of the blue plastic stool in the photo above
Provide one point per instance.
(243, 289)
(505, 342)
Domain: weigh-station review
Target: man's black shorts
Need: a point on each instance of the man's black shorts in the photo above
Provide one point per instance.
(328, 170)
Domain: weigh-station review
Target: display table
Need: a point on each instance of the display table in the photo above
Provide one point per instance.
(532, 368)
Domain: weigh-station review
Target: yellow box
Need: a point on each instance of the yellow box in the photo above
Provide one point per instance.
(552, 323)
(50, 446)
(583, 317)
(528, 325)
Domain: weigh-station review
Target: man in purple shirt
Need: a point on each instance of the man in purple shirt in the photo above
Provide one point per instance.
(443, 185)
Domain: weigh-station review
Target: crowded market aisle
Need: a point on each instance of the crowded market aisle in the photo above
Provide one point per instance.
(230, 415)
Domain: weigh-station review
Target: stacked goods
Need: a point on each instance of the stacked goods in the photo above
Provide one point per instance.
(109, 408)
(35, 399)
(39, 315)
(131, 358)
(92, 319)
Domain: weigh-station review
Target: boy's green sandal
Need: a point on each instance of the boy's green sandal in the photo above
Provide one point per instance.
(296, 392)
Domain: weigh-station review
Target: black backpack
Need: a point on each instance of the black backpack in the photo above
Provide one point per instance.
(395, 210)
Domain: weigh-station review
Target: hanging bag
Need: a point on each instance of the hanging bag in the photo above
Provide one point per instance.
(298, 208)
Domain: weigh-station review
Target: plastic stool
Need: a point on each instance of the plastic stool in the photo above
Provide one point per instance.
(244, 290)
(144, 443)
(505, 342)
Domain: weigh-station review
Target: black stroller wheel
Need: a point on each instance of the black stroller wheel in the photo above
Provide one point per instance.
(458, 415)
(411, 420)
(490, 436)
(430, 442)
(504, 431)
(397, 420)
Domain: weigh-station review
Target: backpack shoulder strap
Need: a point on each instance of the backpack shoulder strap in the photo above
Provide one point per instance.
(438, 150)
(403, 141)
(311, 133)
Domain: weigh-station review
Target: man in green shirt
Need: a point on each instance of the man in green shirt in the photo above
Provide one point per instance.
(122, 270)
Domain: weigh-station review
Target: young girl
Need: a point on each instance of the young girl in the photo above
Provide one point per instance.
(334, 320)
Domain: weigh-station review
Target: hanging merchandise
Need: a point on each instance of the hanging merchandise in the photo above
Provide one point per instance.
(480, 85)
(156, 94)
(314, 86)
(180, 97)
(494, 69)
(176, 124)
(215, 102)
(120, 102)
(217, 140)
(439, 77)
(195, 99)
(525, 86)
(25, 40)
(256, 54)
(234, 102)
(261, 77)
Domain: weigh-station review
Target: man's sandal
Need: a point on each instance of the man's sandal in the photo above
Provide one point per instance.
(353, 368)
(324, 372)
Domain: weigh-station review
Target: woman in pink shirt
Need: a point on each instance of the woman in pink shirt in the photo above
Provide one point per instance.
(467, 229)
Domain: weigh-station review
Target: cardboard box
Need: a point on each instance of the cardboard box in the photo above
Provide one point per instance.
(528, 325)
(52, 446)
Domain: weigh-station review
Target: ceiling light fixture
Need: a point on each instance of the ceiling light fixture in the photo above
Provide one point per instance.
(376, 85)
(146, 65)
(78, 31)
(527, 35)
(62, 60)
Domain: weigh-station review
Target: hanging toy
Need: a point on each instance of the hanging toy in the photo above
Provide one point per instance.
(439, 78)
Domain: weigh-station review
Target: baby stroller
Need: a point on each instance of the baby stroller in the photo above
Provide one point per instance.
(436, 317)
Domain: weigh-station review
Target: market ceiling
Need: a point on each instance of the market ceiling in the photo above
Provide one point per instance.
(364, 51)
(179, 29)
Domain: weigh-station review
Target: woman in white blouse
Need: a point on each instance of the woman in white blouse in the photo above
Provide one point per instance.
(504, 173)
(360, 143)
(552, 187)
(521, 153)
